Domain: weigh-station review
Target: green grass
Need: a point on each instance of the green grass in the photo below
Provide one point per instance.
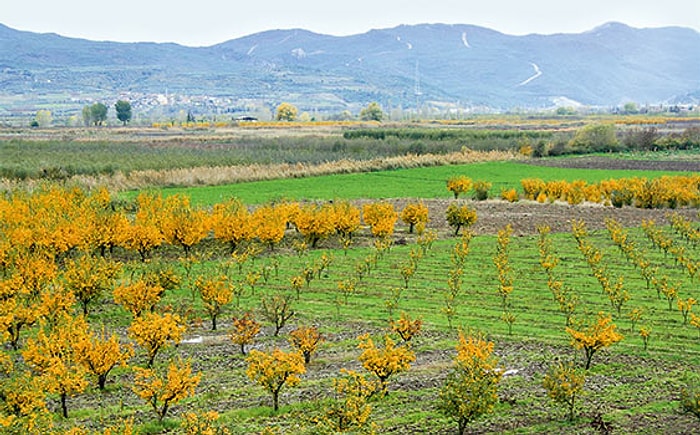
(426, 182)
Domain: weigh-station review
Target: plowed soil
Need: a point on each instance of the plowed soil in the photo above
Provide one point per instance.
(526, 216)
(692, 164)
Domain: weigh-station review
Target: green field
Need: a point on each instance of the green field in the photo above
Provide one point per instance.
(400, 183)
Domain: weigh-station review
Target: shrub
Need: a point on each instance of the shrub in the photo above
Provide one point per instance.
(481, 190)
(510, 195)
(564, 385)
(471, 388)
(690, 400)
(532, 187)
(594, 138)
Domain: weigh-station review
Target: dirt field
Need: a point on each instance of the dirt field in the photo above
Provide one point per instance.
(526, 216)
(690, 163)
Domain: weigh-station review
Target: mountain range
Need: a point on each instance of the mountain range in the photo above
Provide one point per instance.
(436, 65)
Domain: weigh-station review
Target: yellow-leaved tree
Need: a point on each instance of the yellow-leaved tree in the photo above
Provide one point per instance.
(315, 222)
(154, 332)
(53, 356)
(347, 221)
(458, 185)
(204, 423)
(161, 392)
(232, 223)
(351, 410)
(144, 234)
(386, 361)
(23, 405)
(270, 223)
(415, 214)
(55, 304)
(182, 224)
(596, 336)
(306, 339)
(216, 292)
(275, 370)
(141, 237)
(381, 217)
(244, 330)
(100, 353)
(564, 385)
(471, 388)
(138, 296)
(286, 112)
(406, 327)
(88, 277)
(18, 309)
(459, 216)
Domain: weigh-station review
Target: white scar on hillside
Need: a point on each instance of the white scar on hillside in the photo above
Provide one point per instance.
(464, 40)
(538, 73)
(408, 44)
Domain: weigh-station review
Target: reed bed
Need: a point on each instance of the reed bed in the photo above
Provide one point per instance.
(217, 175)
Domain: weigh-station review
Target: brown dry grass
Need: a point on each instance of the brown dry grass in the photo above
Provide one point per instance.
(207, 176)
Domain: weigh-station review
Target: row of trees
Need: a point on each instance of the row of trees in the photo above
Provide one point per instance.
(68, 220)
(641, 192)
(289, 112)
(96, 114)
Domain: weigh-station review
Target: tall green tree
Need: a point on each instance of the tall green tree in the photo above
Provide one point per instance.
(123, 109)
(95, 114)
(373, 112)
(87, 116)
(99, 113)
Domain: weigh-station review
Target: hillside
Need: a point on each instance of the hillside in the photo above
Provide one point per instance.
(440, 65)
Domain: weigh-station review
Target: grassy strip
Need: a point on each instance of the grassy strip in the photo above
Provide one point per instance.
(423, 182)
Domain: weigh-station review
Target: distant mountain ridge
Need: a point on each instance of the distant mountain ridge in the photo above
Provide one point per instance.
(431, 64)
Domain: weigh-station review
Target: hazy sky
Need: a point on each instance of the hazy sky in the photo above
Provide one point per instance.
(207, 22)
